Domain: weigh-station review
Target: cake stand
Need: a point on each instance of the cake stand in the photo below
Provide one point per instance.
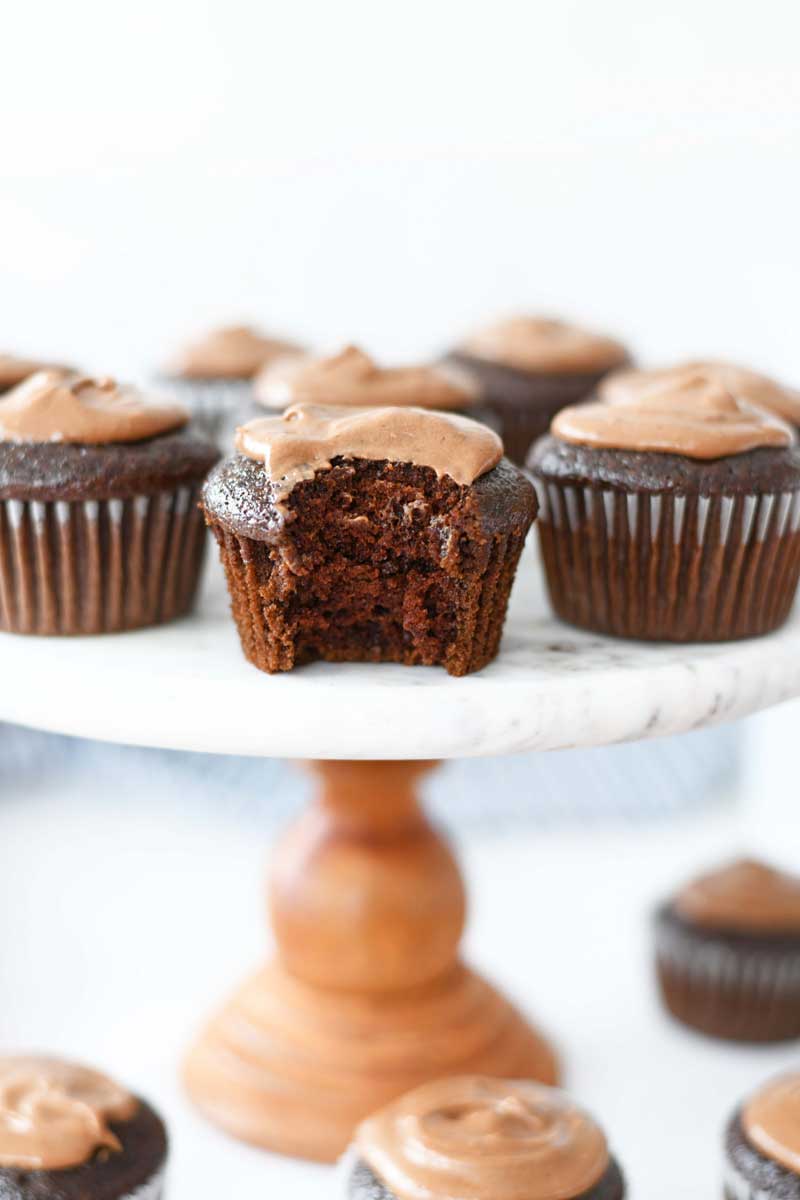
(367, 996)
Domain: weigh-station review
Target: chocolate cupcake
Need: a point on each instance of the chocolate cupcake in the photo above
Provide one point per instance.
(214, 374)
(70, 1133)
(352, 379)
(728, 953)
(530, 367)
(15, 370)
(671, 517)
(624, 387)
(762, 1144)
(99, 525)
(481, 1139)
(369, 535)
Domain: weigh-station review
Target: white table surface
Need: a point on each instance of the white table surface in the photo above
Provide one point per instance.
(125, 914)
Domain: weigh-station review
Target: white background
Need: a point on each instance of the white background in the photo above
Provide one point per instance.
(392, 174)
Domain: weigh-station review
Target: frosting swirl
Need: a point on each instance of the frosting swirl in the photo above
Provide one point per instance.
(306, 437)
(55, 1114)
(694, 416)
(622, 387)
(473, 1138)
(771, 1121)
(351, 377)
(232, 352)
(745, 896)
(545, 345)
(52, 407)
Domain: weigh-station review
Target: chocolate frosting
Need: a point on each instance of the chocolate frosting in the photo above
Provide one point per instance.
(351, 377)
(474, 1138)
(14, 370)
(55, 1114)
(306, 437)
(52, 407)
(694, 416)
(771, 1121)
(745, 896)
(544, 345)
(233, 352)
(622, 387)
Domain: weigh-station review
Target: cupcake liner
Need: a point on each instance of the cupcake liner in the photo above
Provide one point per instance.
(730, 989)
(215, 404)
(267, 627)
(99, 566)
(665, 566)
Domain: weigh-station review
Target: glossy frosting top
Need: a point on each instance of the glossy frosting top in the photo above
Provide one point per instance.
(745, 896)
(474, 1138)
(307, 437)
(546, 345)
(622, 387)
(56, 1114)
(53, 407)
(232, 352)
(693, 416)
(14, 370)
(771, 1121)
(351, 377)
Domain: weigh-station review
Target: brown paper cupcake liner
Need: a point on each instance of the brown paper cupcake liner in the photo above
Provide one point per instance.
(269, 634)
(99, 566)
(664, 566)
(738, 992)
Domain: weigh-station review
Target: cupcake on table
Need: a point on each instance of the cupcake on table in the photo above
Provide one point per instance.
(762, 1144)
(99, 525)
(671, 515)
(351, 377)
(381, 534)
(728, 953)
(68, 1132)
(478, 1138)
(529, 367)
(213, 374)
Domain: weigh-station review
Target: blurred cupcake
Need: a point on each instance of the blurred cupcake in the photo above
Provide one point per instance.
(622, 387)
(530, 367)
(15, 370)
(762, 1144)
(728, 953)
(69, 1133)
(673, 516)
(351, 377)
(369, 535)
(99, 526)
(214, 374)
(476, 1137)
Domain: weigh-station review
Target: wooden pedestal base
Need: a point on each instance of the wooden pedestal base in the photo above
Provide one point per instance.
(367, 998)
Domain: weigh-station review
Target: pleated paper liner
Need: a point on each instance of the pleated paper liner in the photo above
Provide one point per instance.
(267, 619)
(216, 405)
(92, 566)
(669, 567)
(733, 989)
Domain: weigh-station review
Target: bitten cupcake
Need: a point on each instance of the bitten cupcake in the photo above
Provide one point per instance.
(481, 1139)
(622, 387)
(369, 535)
(69, 1133)
(530, 367)
(213, 374)
(351, 378)
(762, 1144)
(15, 370)
(671, 517)
(728, 953)
(99, 525)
